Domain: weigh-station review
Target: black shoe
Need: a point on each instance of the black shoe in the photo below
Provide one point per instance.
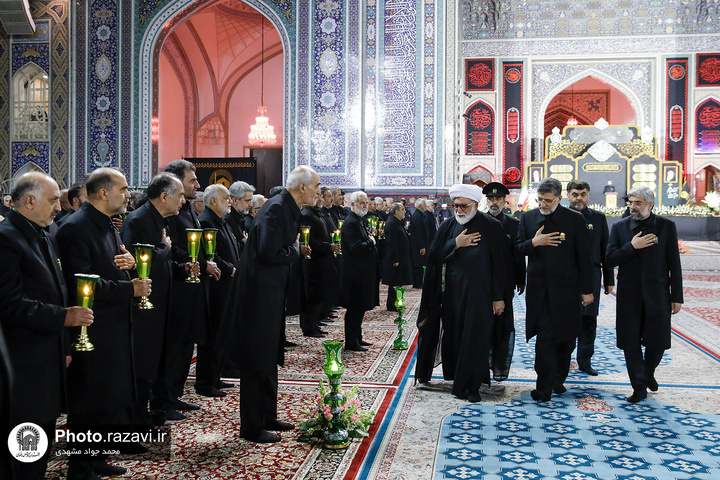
(391, 309)
(210, 392)
(263, 436)
(538, 396)
(355, 348)
(637, 396)
(290, 344)
(314, 334)
(278, 426)
(363, 343)
(560, 389)
(104, 470)
(158, 417)
(589, 370)
(652, 384)
(174, 415)
(417, 286)
(180, 405)
(474, 398)
(463, 395)
(220, 384)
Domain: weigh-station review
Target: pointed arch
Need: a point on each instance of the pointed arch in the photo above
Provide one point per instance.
(31, 103)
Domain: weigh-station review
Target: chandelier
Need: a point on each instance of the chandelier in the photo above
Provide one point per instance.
(262, 133)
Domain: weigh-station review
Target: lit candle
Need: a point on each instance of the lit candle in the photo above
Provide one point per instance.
(562, 236)
(334, 367)
(86, 297)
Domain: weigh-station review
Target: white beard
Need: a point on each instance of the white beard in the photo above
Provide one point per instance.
(359, 212)
(467, 217)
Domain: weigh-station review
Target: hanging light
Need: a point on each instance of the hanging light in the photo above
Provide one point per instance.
(262, 133)
(572, 121)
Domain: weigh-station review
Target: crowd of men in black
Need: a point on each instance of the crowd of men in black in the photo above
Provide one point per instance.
(261, 272)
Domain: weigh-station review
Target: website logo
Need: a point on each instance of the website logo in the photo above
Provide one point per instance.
(27, 442)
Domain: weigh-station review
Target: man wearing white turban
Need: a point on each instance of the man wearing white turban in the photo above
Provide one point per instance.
(464, 287)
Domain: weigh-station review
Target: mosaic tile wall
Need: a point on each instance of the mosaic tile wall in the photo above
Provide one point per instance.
(49, 50)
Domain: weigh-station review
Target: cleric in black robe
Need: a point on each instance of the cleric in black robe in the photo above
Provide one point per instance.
(33, 314)
(397, 264)
(271, 249)
(147, 225)
(419, 242)
(222, 291)
(317, 270)
(559, 284)
(101, 383)
(645, 248)
(360, 288)
(504, 328)
(464, 287)
(603, 274)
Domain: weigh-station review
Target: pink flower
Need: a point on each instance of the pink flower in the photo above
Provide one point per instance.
(354, 418)
(356, 402)
(328, 415)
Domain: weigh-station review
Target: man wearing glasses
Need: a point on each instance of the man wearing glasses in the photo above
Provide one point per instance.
(559, 284)
(645, 247)
(465, 284)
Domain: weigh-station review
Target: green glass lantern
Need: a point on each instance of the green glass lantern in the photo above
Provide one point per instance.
(400, 343)
(210, 235)
(143, 259)
(85, 298)
(305, 237)
(194, 237)
(336, 238)
(336, 436)
(340, 223)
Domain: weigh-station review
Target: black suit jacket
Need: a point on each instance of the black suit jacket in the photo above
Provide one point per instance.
(603, 273)
(317, 269)
(238, 224)
(561, 273)
(510, 226)
(419, 237)
(264, 272)
(431, 225)
(397, 250)
(104, 378)
(360, 287)
(227, 259)
(649, 279)
(33, 297)
(188, 301)
(145, 225)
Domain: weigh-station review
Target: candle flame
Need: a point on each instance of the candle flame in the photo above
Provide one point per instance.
(144, 257)
(86, 290)
(333, 367)
(193, 237)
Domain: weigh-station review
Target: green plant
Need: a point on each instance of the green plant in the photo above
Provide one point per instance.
(352, 417)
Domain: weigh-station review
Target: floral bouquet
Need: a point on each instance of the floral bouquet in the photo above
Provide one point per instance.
(348, 415)
(682, 248)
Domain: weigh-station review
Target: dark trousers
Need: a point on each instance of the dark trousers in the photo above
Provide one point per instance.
(258, 401)
(33, 470)
(552, 354)
(310, 316)
(171, 383)
(81, 467)
(640, 368)
(417, 275)
(586, 340)
(392, 296)
(353, 326)
(208, 363)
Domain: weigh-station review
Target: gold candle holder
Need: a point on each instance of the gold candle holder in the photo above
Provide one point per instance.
(143, 259)
(305, 237)
(210, 235)
(85, 298)
(194, 236)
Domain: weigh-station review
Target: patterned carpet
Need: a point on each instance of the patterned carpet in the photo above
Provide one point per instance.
(590, 432)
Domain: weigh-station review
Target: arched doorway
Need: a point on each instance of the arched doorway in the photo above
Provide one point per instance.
(588, 100)
(159, 29)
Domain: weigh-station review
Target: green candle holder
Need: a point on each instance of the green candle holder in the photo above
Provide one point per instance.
(305, 237)
(336, 436)
(337, 239)
(400, 343)
(194, 237)
(85, 298)
(143, 260)
(210, 235)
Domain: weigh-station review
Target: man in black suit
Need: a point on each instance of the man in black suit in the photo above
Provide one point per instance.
(559, 284)
(419, 242)
(6, 386)
(340, 211)
(33, 312)
(147, 225)
(333, 282)
(429, 215)
(188, 304)
(77, 195)
(101, 384)
(272, 247)
(257, 202)
(241, 196)
(503, 343)
(360, 288)
(222, 293)
(397, 265)
(316, 270)
(578, 194)
(645, 248)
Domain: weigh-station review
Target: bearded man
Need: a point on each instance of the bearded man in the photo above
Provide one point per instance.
(464, 287)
